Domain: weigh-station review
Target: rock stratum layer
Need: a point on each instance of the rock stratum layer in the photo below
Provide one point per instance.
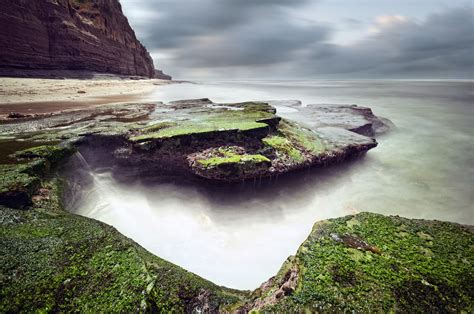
(69, 36)
(54, 261)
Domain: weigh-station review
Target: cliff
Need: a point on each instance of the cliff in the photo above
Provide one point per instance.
(69, 36)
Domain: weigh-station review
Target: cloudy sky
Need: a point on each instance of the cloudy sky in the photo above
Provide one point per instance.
(281, 39)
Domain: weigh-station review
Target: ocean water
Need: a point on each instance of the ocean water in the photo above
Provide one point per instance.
(239, 238)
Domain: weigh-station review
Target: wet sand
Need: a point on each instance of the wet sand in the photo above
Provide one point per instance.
(39, 96)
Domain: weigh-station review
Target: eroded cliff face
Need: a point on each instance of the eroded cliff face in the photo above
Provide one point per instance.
(64, 35)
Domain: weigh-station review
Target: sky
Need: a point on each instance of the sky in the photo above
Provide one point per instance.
(307, 39)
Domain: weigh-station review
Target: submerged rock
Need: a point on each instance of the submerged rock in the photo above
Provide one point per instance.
(18, 115)
(353, 118)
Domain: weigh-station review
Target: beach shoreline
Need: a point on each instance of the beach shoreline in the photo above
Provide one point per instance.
(29, 96)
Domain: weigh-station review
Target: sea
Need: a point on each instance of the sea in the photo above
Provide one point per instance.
(423, 168)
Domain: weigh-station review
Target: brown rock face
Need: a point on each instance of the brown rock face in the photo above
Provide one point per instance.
(69, 35)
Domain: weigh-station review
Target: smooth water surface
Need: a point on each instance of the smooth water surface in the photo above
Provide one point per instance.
(240, 238)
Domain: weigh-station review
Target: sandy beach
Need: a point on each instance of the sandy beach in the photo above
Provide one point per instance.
(36, 96)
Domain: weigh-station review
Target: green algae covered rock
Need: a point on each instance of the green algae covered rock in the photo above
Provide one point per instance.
(195, 119)
(20, 182)
(17, 185)
(294, 147)
(224, 163)
(186, 137)
(54, 261)
(61, 262)
(373, 263)
(53, 154)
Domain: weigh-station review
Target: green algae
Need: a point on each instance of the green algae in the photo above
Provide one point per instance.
(301, 137)
(228, 163)
(9, 147)
(211, 120)
(158, 126)
(294, 145)
(283, 145)
(17, 185)
(228, 156)
(192, 128)
(252, 106)
(14, 174)
(19, 182)
(334, 277)
(52, 153)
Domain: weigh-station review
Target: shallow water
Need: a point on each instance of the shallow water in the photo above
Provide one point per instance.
(240, 238)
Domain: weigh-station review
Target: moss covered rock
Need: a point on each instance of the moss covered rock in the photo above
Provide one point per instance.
(202, 121)
(165, 138)
(374, 263)
(20, 182)
(55, 261)
(59, 262)
(17, 185)
(53, 154)
(229, 163)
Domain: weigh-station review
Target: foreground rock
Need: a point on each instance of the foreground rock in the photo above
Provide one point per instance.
(373, 263)
(69, 37)
(53, 261)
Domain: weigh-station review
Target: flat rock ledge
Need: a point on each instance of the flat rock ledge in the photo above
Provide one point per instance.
(218, 142)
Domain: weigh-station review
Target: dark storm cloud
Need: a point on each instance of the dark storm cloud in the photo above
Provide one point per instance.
(256, 43)
(227, 33)
(441, 46)
(258, 38)
(179, 21)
